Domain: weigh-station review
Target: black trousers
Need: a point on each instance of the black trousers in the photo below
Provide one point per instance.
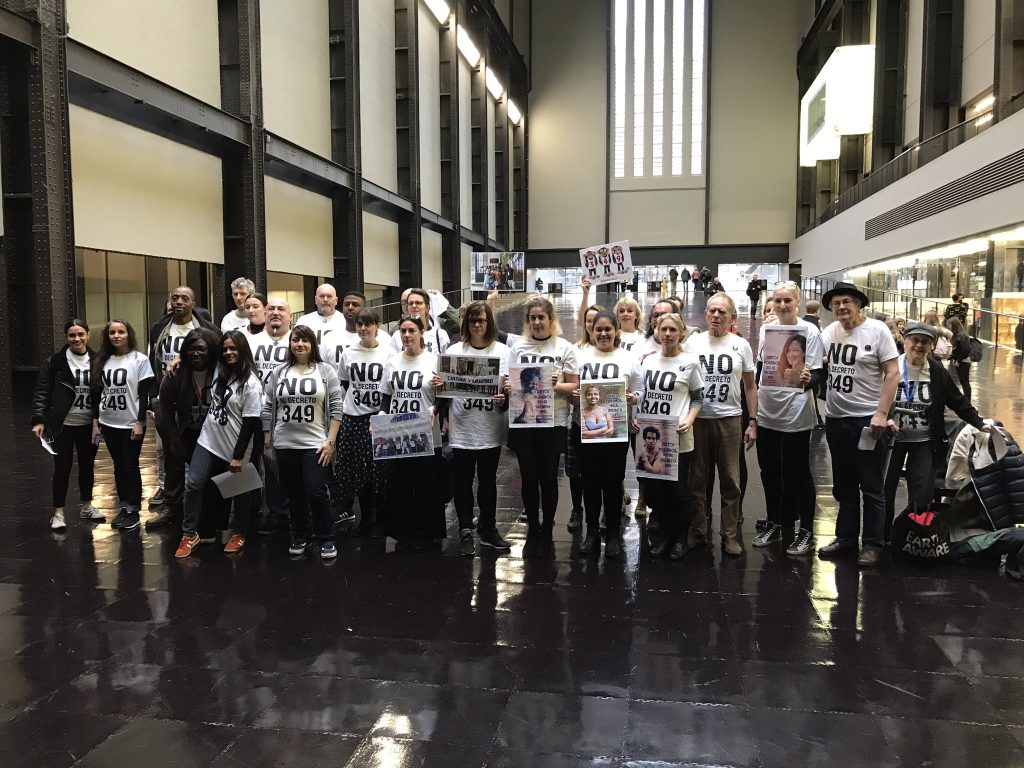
(67, 442)
(305, 482)
(789, 493)
(604, 468)
(672, 501)
(174, 471)
(482, 464)
(125, 454)
(413, 503)
(537, 451)
(963, 373)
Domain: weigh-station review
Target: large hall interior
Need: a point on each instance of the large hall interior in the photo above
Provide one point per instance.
(619, 383)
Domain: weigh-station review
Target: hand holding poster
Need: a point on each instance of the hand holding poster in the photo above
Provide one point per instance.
(607, 263)
(468, 376)
(656, 455)
(783, 357)
(501, 270)
(402, 435)
(604, 413)
(532, 400)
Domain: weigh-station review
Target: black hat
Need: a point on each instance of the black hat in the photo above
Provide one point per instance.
(844, 289)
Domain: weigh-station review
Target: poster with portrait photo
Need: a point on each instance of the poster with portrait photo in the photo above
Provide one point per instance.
(607, 263)
(783, 356)
(501, 270)
(468, 376)
(402, 436)
(604, 413)
(657, 455)
(532, 399)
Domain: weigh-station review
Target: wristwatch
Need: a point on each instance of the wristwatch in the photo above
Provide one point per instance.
(752, 419)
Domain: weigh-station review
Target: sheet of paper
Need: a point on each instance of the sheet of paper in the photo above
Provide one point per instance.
(867, 441)
(231, 484)
(47, 446)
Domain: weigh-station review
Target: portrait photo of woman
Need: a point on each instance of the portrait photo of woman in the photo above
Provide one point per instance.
(596, 419)
(793, 360)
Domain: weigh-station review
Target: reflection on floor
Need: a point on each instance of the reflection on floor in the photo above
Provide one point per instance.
(111, 652)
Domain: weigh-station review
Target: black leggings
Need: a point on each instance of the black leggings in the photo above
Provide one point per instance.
(483, 464)
(672, 501)
(963, 373)
(789, 493)
(538, 451)
(66, 443)
(604, 467)
(125, 454)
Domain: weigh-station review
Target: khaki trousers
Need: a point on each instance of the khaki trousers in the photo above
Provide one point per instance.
(716, 443)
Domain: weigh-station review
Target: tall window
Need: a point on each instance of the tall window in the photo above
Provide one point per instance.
(658, 88)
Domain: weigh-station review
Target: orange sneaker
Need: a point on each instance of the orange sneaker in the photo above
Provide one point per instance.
(186, 545)
(235, 544)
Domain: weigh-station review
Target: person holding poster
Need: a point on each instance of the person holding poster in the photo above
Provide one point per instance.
(786, 417)
(653, 459)
(476, 432)
(604, 460)
(538, 449)
(673, 387)
(627, 312)
(413, 499)
(573, 469)
(361, 373)
(612, 258)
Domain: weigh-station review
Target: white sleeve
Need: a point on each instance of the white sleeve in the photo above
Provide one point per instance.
(144, 370)
(748, 357)
(385, 384)
(815, 349)
(396, 342)
(252, 399)
(570, 363)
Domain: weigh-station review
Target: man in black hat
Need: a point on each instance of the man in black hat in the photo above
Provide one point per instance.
(862, 380)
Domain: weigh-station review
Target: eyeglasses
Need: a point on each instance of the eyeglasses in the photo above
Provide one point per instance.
(478, 321)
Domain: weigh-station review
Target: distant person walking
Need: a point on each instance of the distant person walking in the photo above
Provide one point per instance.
(673, 276)
(754, 293)
(684, 277)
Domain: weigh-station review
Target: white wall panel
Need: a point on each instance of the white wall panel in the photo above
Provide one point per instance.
(753, 118)
(465, 143)
(430, 111)
(300, 230)
(377, 92)
(137, 192)
(175, 42)
(912, 76)
(380, 250)
(839, 243)
(296, 72)
(568, 124)
(655, 217)
(432, 271)
(979, 49)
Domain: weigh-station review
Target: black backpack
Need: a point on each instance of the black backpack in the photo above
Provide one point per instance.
(974, 350)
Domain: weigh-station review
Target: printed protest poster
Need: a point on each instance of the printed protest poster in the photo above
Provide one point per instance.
(608, 263)
(657, 455)
(604, 414)
(402, 436)
(532, 400)
(469, 376)
(503, 270)
(783, 356)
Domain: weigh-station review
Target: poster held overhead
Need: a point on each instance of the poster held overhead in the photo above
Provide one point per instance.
(607, 263)
(532, 401)
(501, 270)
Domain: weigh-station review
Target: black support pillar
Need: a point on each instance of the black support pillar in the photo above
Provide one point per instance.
(241, 93)
(942, 66)
(407, 123)
(1009, 63)
(37, 275)
(890, 73)
(451, 244)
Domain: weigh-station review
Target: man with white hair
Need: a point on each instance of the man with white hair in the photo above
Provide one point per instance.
(241, 289)
(327, 319)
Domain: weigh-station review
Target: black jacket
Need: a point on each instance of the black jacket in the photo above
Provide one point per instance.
(177, 397)
(55, 391)
(946, 395)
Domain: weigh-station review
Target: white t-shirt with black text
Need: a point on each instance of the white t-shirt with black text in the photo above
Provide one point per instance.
(555, 350)
(336, 343)
(617, 365)
(224, 421)
(363, 370)
(268, 354)
(855, 359)
(475, 423)
(410, 382)
(435, 340)
(81, 409)
(913, 393)
(119, 401)
(723, 361)
(301, 398)
(668, 382)
(170, 341)
(323, 325)
(791, 410)
(232, 322)
(632, 341)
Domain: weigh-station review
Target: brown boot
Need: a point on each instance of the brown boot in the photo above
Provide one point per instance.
(732, 547)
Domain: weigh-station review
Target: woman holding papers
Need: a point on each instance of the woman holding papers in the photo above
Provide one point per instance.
(604, 463)
(476, 431)
(413, 499)
(301, 415)
(674, 388)
(223, 445)
(538, 448)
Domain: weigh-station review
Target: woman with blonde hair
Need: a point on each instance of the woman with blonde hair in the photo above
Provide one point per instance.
(628, 313)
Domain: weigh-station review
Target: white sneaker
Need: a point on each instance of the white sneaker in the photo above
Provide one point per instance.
(57, 522)
(89, 512)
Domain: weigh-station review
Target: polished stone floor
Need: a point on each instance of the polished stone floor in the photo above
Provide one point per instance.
(112, 653)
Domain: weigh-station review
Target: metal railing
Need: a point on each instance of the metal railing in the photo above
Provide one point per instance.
(994, 328)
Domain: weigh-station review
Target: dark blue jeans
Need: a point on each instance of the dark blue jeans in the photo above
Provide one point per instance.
(856, 474)
(201, 468)
(305, 483)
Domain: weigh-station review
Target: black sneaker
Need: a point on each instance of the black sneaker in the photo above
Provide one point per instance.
(328, 551)
(612, 549)
(495, 541)
(131, 522)
(575, 520)
(590, 544)
(298, 547)
(523, 518)
(344, 517)
(467, 546)
(768, 535)
(122, 516)
(157, 498)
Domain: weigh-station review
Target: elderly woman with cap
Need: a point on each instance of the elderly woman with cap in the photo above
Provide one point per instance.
(924, 391)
